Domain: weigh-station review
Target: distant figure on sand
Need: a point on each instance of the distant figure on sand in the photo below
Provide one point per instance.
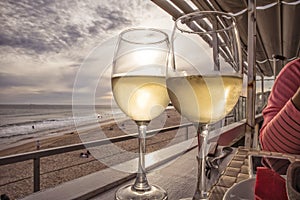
(85, 155)
(32, 126)
(37, 144)
(4, 197)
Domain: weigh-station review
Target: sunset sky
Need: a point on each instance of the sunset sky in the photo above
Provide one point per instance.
(47, 46)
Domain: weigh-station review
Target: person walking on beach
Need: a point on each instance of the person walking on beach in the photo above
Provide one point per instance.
(4, 197)
(38, 145)
(280, 131)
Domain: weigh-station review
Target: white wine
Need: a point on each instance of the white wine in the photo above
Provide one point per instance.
(204, 99)
(142, 98)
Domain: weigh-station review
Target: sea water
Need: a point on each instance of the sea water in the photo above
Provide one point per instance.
(23, 122)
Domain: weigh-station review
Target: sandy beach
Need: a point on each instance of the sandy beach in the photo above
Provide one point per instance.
(16, 180)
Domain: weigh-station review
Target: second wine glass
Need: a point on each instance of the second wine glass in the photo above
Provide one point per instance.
(139, 89)
(204, 78)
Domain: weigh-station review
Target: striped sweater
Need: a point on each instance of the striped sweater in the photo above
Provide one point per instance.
(280, 131)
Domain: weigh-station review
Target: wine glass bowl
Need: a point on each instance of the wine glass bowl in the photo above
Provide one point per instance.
(204, 99)
(205, 66)
(139, 89)
(204, 75)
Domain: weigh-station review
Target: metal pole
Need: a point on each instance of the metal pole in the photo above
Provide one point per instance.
(274, 66)
(255, 137)
(215, 44)
(186, 133)
(263, 90)
(36, 174)
(242, 107)
(251, 88)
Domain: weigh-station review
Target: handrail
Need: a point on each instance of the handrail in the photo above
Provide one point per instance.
(36, 155)
(73, 147)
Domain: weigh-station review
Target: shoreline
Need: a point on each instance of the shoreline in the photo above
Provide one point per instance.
(29, 144)
(66, 133)
(17, 179)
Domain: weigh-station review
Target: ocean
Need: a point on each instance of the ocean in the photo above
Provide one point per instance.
(23, 122)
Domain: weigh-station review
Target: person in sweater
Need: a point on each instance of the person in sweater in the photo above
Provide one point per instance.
(280, 131)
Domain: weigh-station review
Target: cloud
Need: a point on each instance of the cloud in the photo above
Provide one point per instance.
(37, 97)
(44, 43)
(43, 26)
(10, 80)
(112, 19)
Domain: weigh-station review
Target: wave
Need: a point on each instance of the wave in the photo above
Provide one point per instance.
(20, 123)
(28, 123)
(37, 126)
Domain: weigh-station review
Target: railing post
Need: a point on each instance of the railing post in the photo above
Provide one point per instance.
(36, 155)
(263, 90)
(255, 137)
(251, 88)
(186, 133)
(36, 174)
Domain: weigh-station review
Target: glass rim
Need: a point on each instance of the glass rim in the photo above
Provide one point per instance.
(165, 38)
(194, 14)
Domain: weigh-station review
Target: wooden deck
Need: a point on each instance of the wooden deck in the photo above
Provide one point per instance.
(177, 177)
(176, 173)
(173, 168)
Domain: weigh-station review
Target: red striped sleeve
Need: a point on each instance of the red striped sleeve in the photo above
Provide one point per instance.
(282, 133)
(281, 128)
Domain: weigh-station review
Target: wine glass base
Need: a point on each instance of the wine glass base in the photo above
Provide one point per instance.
(197, 197)
(155, 193)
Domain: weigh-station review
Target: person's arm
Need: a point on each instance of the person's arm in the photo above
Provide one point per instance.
(282, 133)
(281, 128)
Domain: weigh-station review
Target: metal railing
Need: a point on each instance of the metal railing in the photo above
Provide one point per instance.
(36, 155)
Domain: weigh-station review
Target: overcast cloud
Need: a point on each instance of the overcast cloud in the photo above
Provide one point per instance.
(43, 43)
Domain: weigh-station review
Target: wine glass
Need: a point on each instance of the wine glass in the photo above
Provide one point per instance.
(139, 89)
(204, 75)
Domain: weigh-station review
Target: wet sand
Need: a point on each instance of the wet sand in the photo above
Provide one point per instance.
(16, 180)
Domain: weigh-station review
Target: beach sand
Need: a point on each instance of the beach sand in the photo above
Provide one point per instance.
(16, 180)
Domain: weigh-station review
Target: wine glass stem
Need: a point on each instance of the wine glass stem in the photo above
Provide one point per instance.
(141, 182)
(201, 190)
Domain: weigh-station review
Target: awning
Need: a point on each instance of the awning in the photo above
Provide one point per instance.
(277, 27)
